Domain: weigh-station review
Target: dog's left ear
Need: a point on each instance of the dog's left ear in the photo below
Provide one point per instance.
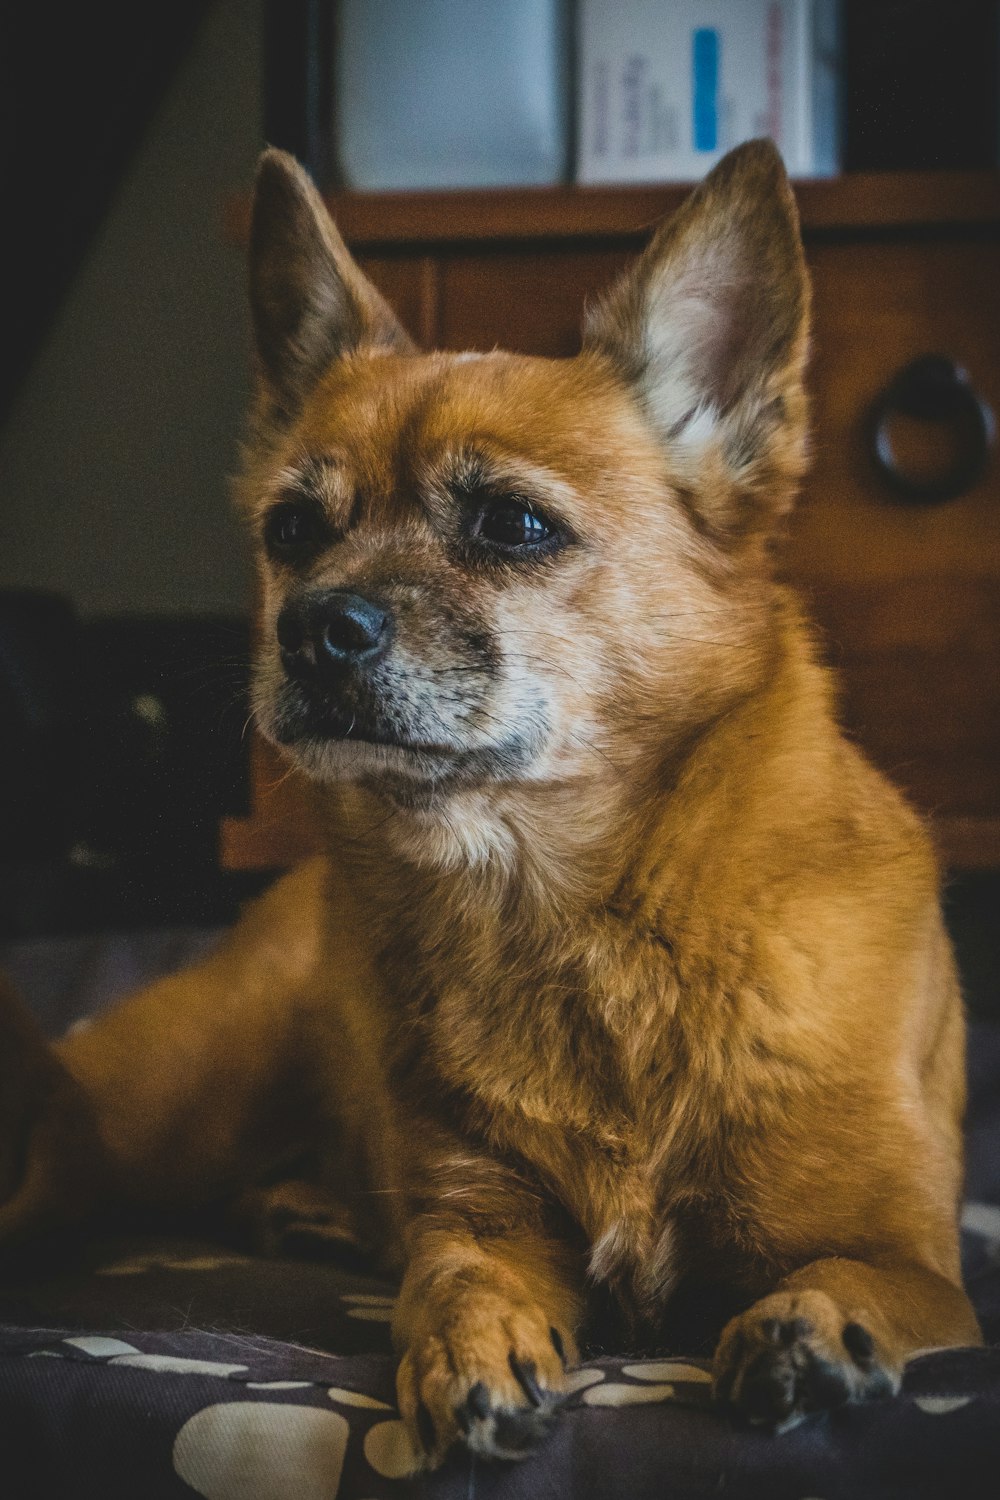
(710, 327)
(311, 302)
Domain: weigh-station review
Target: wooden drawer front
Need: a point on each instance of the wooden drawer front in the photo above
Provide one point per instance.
(409, 285)
(908, 595)
(528, 301)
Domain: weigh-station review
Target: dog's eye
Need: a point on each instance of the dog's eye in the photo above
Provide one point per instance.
(293, 528)
(512, 523)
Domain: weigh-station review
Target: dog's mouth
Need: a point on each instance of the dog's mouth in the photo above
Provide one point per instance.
(394, 741)
(338, 728)
(306, 717)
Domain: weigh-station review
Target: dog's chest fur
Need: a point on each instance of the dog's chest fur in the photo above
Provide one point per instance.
(570, 1048)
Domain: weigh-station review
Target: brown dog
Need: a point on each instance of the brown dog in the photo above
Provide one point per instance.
(625, 969)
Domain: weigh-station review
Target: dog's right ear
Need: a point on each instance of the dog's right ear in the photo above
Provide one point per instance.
(310, 301)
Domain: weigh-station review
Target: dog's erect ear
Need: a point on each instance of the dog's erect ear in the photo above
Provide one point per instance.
(309, 299)
(711, 326)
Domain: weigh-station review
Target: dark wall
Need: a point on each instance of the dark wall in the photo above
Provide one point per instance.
(116, 447)
(78, 84)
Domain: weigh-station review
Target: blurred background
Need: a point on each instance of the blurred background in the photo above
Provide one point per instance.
(491, 164)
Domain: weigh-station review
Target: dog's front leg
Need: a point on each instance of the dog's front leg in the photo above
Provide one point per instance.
(836, 1331)
(486, 1318)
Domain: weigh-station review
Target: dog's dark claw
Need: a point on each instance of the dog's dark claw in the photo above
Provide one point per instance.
(790, 1381)
(503, 1431)
(558, 1344)
(859, 1344)
(524, 1373)
(516, 1432)
(768, 1390)
(478, 1401)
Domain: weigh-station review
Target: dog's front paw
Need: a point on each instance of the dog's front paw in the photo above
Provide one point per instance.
(492, 1375)
(795, 1353)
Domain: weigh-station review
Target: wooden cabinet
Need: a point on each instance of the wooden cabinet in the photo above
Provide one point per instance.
(907, 595)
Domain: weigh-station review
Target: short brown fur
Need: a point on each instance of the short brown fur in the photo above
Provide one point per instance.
(627, 970)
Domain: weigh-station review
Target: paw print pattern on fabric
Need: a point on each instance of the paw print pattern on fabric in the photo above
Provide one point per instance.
(262, 1450)
(612, 1393)
(390, 1450)
(99, 1346)
(652, 1381)
(677, 1371)
(355, 1398)
(173, 1364)
(940, 1406)
(141, 1265)
(369, 1308)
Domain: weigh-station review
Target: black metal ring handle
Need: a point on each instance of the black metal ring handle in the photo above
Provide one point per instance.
(933, 388)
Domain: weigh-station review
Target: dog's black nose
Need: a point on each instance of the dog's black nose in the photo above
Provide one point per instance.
(350, 626)
(329, 631)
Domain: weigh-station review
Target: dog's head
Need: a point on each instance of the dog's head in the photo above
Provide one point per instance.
(487, 569)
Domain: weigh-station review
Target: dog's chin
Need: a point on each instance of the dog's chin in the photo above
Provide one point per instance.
(328, 759)
(410, 771)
